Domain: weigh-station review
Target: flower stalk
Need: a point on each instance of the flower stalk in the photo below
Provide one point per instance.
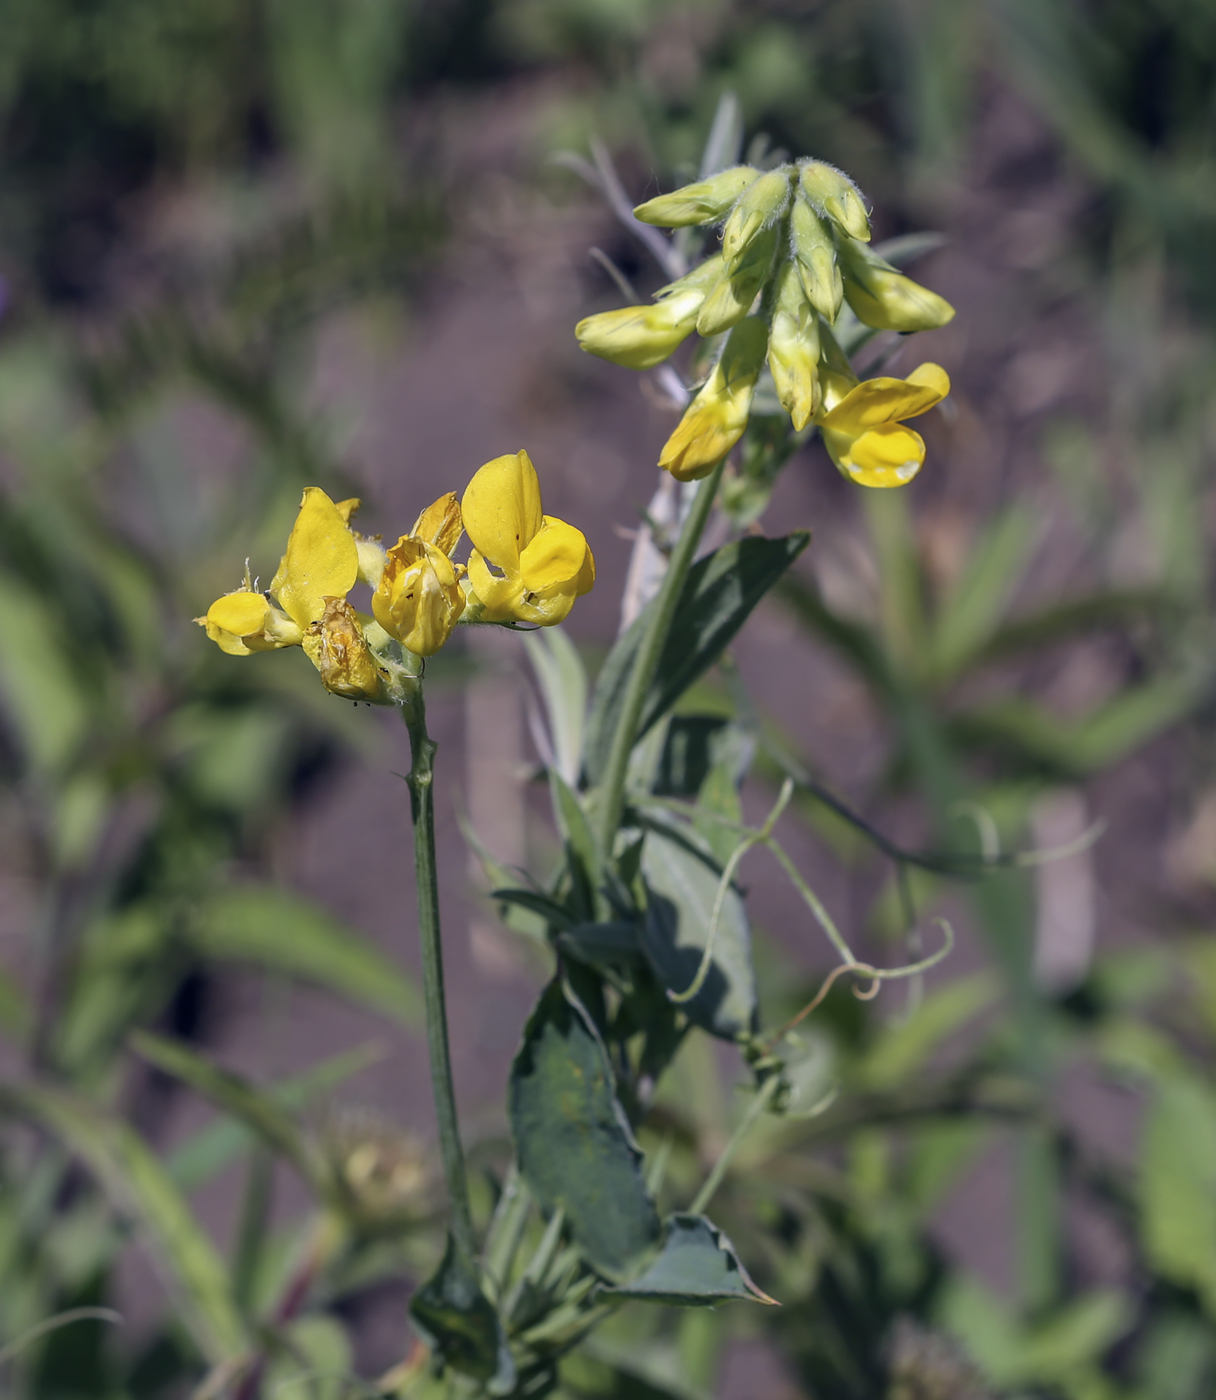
(646, 662)
(421, 781)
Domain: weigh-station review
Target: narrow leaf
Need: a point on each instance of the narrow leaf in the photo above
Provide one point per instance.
(573, 1141)
(697, 1266)
(563, 683)
(716, 601)
(276, 929)
(140, 1187)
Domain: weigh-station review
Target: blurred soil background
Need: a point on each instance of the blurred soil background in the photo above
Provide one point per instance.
(249, 247)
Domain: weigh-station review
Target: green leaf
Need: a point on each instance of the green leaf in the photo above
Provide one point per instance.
(969, 616)
(694, 746)
(1177, 1184)
(601, 944)
(572, 1138)
(277, 929)
(539, 904)
(719, 797)
(210, 1150)
(716, 600)
(312, 1362)
(563, 683)
(696, 1267)
(461, 1325)
(235, 1096)
(682, 878)
(140, 1187)
(582, 852)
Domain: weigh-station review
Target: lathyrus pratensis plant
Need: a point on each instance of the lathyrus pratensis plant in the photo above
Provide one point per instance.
(644, 922)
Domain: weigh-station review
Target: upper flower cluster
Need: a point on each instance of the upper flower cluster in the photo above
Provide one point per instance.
(524, 566)
(794, 250)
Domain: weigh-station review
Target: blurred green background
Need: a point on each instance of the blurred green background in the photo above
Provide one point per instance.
(247, 247)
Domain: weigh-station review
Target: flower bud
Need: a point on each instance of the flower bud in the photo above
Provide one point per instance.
(245, 621)
(640, 337)
(814, 251)
(716, 418)
(835, 196)
(419, 600)
(705, 202)
(336, 646)
(886, 299)
(793, 349)
(759, 208)
(731, 298)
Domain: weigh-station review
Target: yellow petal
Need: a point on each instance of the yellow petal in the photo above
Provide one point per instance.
(322, 560)
(226, 641)
(716, 418)
(501, 509)
(932, 376)
(241, 613)
(498, 596)
(336, 646)
(882, 400)
(348, 507)
(419, 600)
(440, 524)
(889, 455)
(586, 575)
(554, 556)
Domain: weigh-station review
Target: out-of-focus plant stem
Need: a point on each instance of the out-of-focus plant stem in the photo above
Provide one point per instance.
(420, 780)
(612, 793)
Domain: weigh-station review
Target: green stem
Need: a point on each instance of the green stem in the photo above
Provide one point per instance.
(714, 1179)
(646, 662)
(420, 780)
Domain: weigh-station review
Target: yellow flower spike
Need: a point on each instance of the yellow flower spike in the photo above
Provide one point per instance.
(335, 644)
(814, 251)
(543, 563)
(884, 298)
(758, 208)
(793, 349)
(716, 418)
(732, 297)
(704, 202)
(419, 599)
(835, 196)
(865, 432)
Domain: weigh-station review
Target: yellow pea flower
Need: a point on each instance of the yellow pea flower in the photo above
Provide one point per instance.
(705, 202)
(543, 564)
(715, 419)
(305, 604)
(759, 208)
(793, 349)
(864, 430)
(883, 297)
(419, 599)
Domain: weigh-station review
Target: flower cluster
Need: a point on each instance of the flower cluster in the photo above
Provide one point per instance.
(794, 251)
(525, 566)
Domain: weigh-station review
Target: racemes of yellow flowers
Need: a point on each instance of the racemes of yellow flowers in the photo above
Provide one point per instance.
(525, 567)
(795, 251)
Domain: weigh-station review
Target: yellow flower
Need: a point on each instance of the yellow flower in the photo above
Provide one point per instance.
(715, 419)
(419, 600)
(543, 564)
(640, 337)
(814, 254)
(864, 430)
(758, 208)
(836, 197)
(703, 203)
(793, 349)
(305, 604)
(884, 298)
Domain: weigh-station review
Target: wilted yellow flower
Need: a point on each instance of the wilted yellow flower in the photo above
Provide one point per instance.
(793, 349)
(305, 604)
(419, 599)
(704, 202)
(864, 431)
(716, 418)
(543, 564)
(883, 297)
(758, 208)
(835, 196)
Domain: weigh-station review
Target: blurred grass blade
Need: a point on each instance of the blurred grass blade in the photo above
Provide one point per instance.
(140, 1187)
(283, 931)
(235, 1096)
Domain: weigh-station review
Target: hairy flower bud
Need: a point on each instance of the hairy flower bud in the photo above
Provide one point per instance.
(716, 418)
(793, 349)
(758, 209)
(835, 196)
(884, 298)
(732, 297)
(704, 202)
(814, 251)
(640, 337)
